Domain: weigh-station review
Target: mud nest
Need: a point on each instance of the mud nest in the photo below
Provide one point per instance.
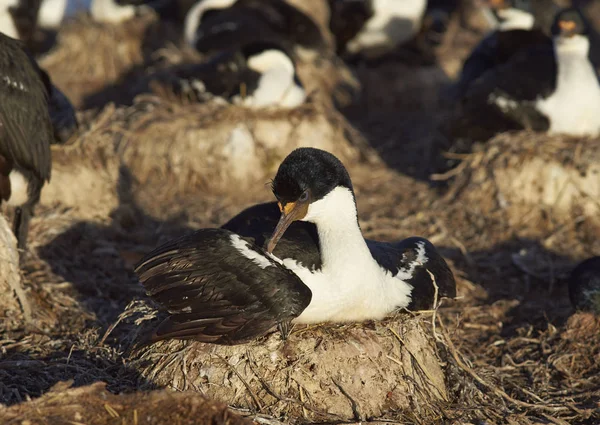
(11, 291)
(527, 172)
(166, 145)
(92, 404)
(89, 55)
(320, 373)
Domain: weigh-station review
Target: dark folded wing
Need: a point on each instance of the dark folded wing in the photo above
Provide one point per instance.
(287, 19)
(300, 241)
(231, 29)
(411, 260)
(496, 49)
(26, 130)
(503, 98)
(218, 287)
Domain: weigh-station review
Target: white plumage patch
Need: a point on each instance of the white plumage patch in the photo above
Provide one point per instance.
(406, 273)
(52, 13)
(277, 86)
(243, 248)
(110, 11)
(7, 24)
(11, 82)
(350, 286)
(393, 22)
(574, 108)
(18, 189)
(194, 16)
(515, 19)
(504, 103)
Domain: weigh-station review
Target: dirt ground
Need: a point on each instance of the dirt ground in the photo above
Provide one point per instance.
(513, 349)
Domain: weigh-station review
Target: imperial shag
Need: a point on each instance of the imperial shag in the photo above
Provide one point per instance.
(234, 284)
(25, 134)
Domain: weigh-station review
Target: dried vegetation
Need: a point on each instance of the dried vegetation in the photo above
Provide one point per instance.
(508, 350)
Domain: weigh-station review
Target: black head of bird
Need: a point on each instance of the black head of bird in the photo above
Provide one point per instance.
(306, 176)
(569, 23)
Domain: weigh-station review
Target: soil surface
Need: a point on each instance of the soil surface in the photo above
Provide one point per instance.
(515, 351)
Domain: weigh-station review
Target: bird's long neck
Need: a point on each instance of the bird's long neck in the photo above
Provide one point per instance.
(572, 58)
(340, 238)
(515, 19)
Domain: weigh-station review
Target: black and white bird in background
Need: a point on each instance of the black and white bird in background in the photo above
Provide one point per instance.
(21, 18)
(373, 28)
(256, 75)
(300, 260)
(26, 133)
(517, 25)
(550, 87)
(215, 25)
(584, 285)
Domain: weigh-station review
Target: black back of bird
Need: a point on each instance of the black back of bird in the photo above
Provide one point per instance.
(25, 129)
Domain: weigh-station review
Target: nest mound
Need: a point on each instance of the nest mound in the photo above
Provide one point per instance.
(522, 172)
(89, 55)
(94, 63)
(322, 373)
(10, 277)
(178, 147)
(92, 404)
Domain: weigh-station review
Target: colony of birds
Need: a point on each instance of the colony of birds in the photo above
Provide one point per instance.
(310, 211)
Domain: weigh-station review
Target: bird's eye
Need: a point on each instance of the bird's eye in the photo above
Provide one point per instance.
(303, 197)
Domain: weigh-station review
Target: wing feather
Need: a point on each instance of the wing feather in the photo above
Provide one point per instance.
(24, 118)
(215, 293)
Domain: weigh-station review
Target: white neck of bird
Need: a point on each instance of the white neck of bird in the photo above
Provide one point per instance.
(277, 77)
(110, 11)
(340, 238)
(7, 24)
(515, 19)
(194, 16)
(51, 13)
(577, 45)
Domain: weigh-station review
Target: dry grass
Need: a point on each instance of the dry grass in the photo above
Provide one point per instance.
(164, 145)
(510, 348)
(94, 405)
(13, 297)
(323, 373)
(523, 172)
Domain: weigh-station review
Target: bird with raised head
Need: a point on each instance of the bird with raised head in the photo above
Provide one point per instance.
(551, 87)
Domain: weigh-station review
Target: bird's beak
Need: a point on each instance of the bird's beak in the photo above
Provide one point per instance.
(290, 212)
(567, 28)
(496, 4)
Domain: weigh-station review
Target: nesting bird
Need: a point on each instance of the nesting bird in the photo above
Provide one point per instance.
(551, 87)
(584, 285)
(232, 284)
(518, 26)
(256, 75)
(372, 28)
(20, 18)
(215, 25)
(26, 134)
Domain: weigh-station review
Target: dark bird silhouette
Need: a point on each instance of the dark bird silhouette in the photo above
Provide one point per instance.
(25, 134)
